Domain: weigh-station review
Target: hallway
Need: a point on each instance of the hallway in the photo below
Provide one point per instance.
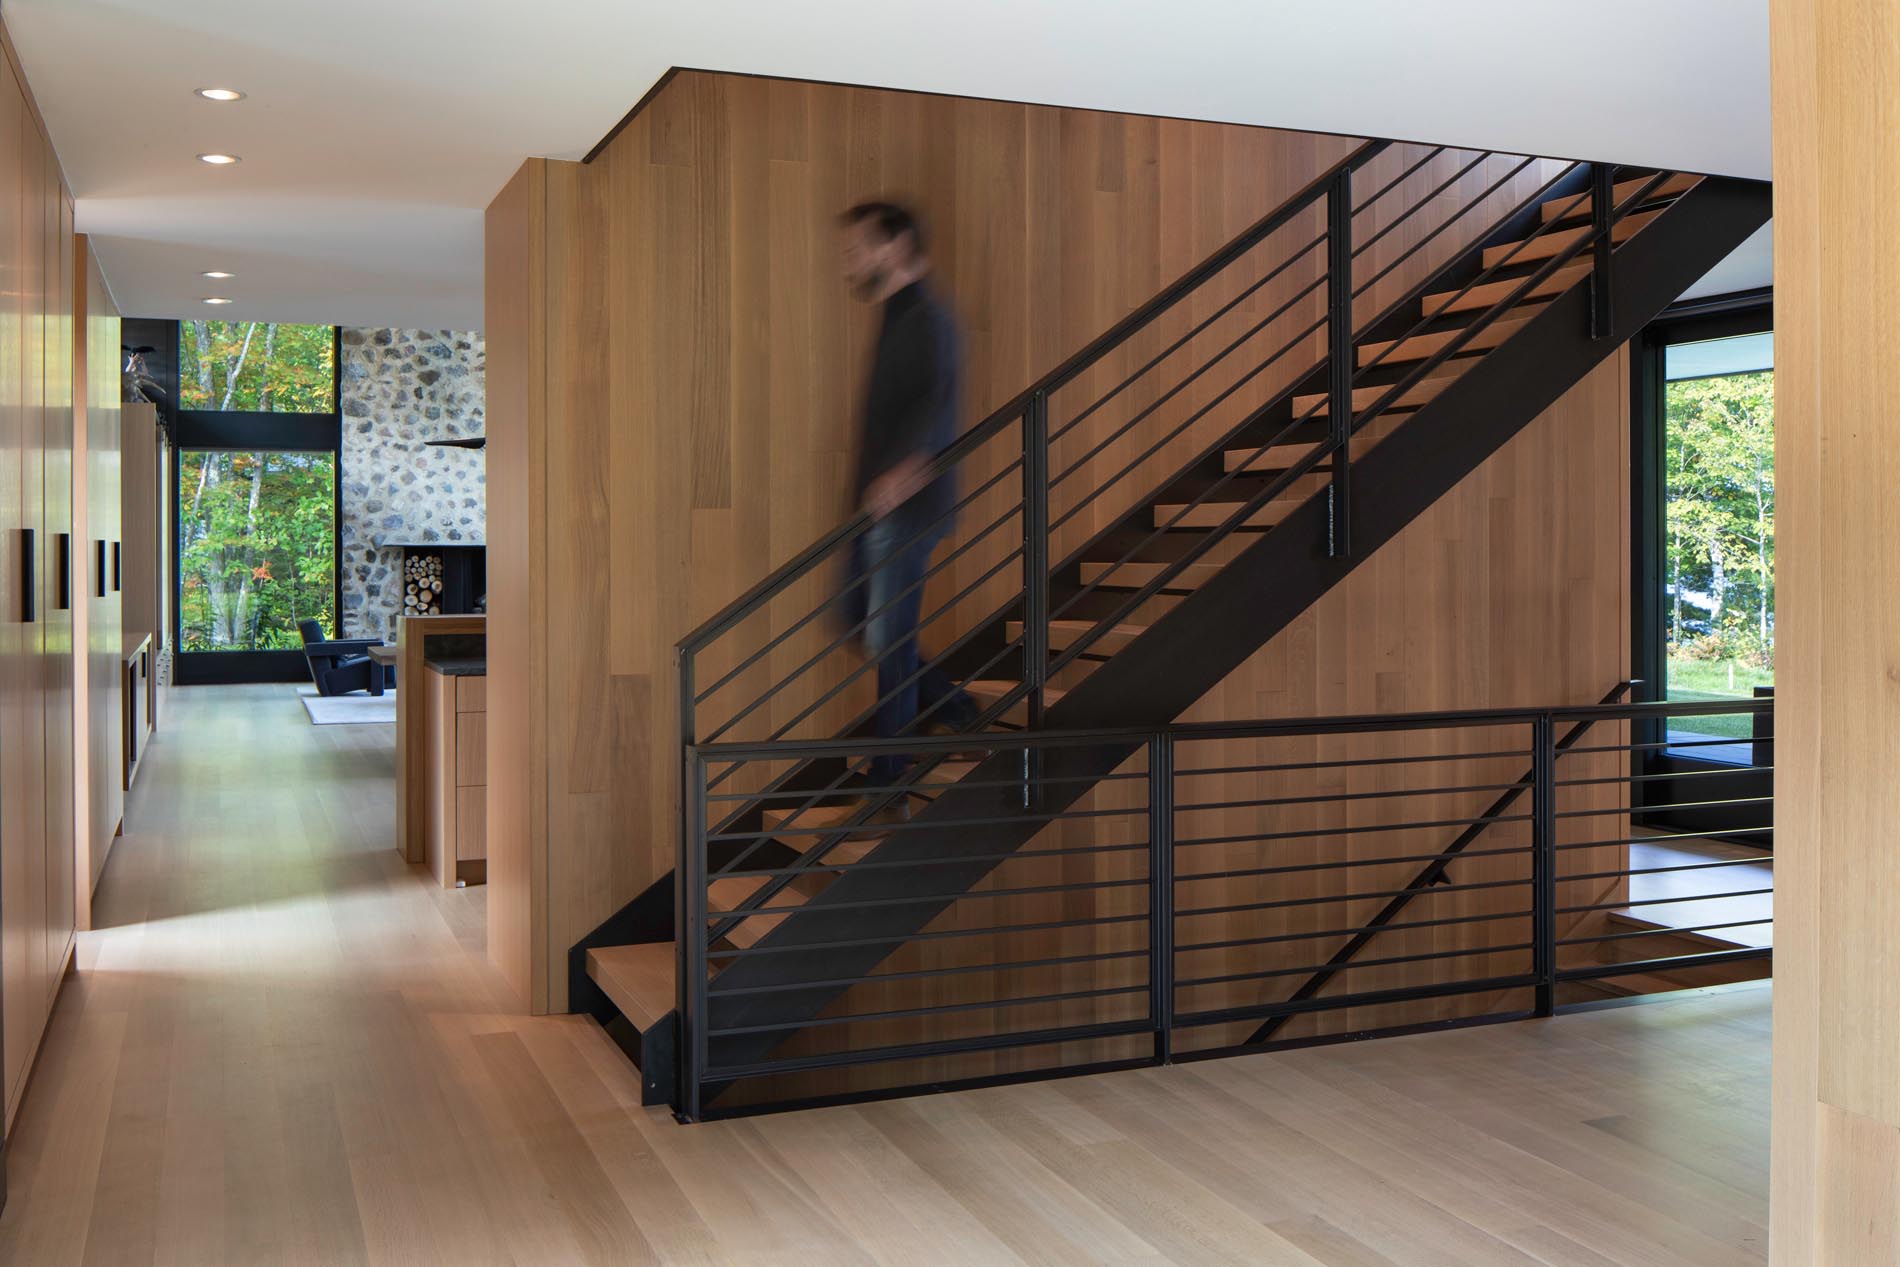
(285, 1046)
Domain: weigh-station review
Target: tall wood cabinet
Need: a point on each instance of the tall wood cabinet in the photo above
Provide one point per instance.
(38, 765)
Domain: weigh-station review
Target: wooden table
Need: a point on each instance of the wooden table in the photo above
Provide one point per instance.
(386, 655)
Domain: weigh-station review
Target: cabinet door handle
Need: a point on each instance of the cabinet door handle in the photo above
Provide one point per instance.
(64, 588)
(116, 585)
(29, 577)
(99, 568)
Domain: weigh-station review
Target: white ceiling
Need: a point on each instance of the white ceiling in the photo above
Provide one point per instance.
(377, 130)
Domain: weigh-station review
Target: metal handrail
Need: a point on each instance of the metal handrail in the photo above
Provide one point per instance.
(1002, 418)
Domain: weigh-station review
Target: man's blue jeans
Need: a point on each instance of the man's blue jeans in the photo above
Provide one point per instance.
(884, 584)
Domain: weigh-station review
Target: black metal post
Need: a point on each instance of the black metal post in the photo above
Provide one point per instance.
(1339, 359)
(1602, 207)
(1161, 894)
(690, 928)
(1035, 575)
(1544, 862)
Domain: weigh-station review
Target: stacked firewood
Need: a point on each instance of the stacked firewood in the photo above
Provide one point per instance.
(422, 585)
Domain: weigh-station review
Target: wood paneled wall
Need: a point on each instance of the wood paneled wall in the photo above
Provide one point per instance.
(98, 734)
(1836, 1157)
(37, 761)
(675, 363)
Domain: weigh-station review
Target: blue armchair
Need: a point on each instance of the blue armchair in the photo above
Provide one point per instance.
(342, 665)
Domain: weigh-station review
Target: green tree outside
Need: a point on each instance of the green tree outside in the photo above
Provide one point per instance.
(256, 530)
(1719, 548)
(258, 366)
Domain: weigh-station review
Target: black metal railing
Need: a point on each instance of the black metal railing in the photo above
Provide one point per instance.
(1202, 369)
(1324, 878)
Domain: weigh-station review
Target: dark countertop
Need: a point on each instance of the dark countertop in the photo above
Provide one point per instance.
(458, 666)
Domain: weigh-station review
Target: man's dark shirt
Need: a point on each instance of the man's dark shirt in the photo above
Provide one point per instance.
(910, 406)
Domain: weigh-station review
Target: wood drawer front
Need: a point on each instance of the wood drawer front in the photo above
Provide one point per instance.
(471, 824)
(471, 694)
(471, 749)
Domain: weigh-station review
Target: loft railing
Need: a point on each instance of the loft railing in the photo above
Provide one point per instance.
(1207, 366)
(1231, 876)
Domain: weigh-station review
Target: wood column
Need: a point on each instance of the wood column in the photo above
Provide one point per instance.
(1836, 1152)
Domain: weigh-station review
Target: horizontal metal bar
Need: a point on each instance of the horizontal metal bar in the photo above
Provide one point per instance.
(948, 899)
(1237, 942)
(1592, 972)
(1685, 866)
(1663, 932)
(1020, 965)
(1340, 864)
(1372, 998)
(1664, 901)
(1319, 833)
(1681, 835)
(1672, 807)
(918, 1051)
(1206, 771)
(897, 1014)
(1667, 776)
(856, 790)
(1350, 964)
(1191, 732)
(841, 868)
(753, 952)
(1435, 890)
(1342, 797)
(934, 824)
(1750, 706)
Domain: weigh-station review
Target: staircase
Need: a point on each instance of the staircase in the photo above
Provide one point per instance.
(1123, 586)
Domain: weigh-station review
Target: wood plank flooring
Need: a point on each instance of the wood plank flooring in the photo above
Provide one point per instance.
(284, 1046)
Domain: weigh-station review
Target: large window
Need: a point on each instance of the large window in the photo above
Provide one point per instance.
(256, 367)
(256, 547)
(1718, 548)
(256, 479)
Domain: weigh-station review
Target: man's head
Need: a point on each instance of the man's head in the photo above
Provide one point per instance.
(883, 249)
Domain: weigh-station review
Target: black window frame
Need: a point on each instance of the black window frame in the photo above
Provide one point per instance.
(1692, 321)
(254, 430)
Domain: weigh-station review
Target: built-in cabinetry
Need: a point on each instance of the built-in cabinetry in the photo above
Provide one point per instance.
(145, 559)
(41, 573)
(97, 615)
(456, 695)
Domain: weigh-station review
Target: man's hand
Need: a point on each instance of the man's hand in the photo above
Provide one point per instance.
(896, 486)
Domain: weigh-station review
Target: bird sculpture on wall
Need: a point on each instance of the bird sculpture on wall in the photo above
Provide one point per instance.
(136, 384)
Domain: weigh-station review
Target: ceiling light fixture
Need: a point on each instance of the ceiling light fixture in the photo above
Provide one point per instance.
(218, 275)
(220, 94)
(219, 160)
(217, 299)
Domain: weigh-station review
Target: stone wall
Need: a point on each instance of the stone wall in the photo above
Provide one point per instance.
(401, 388)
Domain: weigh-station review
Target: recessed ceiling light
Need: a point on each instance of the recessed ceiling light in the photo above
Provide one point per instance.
(220, 94)
(217, 299)
(218, 160)
(216, 275)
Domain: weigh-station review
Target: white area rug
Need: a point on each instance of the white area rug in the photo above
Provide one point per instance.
(348, 710)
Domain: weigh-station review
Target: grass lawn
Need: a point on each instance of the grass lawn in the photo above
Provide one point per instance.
(1692, 681)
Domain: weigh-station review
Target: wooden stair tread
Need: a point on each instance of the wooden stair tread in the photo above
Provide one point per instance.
(1677, 185)
(639, 979)
(1420, 346)
(1134, 575)
(1281, 456)
(1490, 293)
(1556, 243)
(1064, 633)
(990, 690)
(1212, 514)
(1363, 397)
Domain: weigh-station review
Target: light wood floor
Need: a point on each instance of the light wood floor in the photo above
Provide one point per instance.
(285, 1047)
